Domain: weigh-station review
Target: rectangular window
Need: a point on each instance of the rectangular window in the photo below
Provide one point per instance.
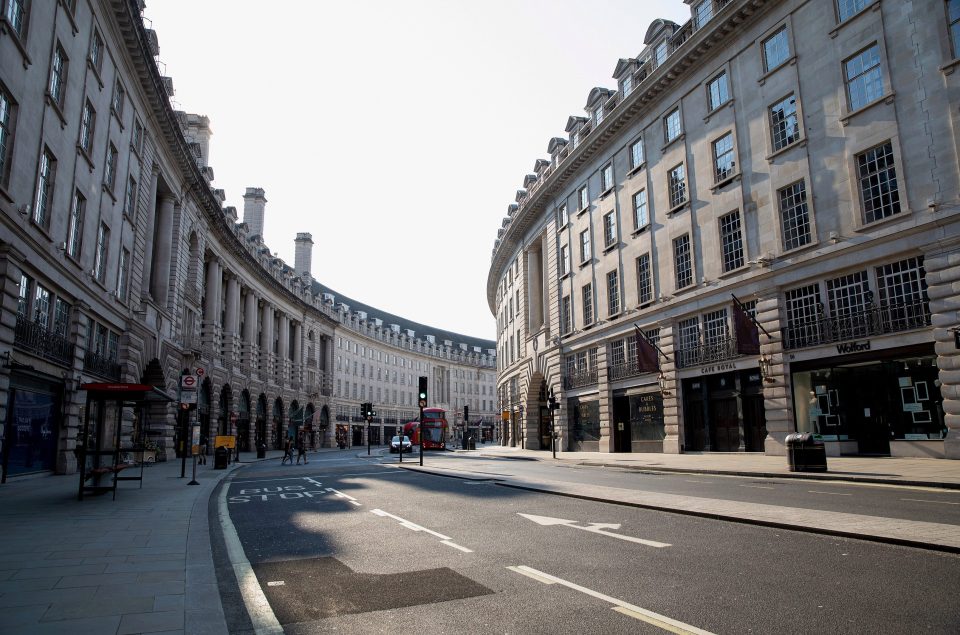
(703, 12)
(41, 307)
(137, 139)
(715, 327)
(731, 241)
(724, 164)
(671, 125)
(794, 218)
(661, 53)
(23, 295)
(849, 294)
(783, 122)
(44, 198)
(61, 317)
(16, 14)
(863, 78)
(613, 293)
(644, 280)
(609, 230)
(587, 292)
(682, 261)
(598, 115)
(130, 200)
(776, 50)
(123, 275)
(641, 217)
(96, 52)
(119, 98)
(582, 199)
(606, 178)
(75, 227)
(804, 310)
(901, 283)
(562, 217)
(718, 91)
(636, 154)
(689, 331)
(585, 246)
(7, 126)
(849, 8)
(953, 16)
(58, 76)
(100, 262)
(877, 175)
(110, 172)
(626, 85)
(563, 263)
(87, 123)
(677, 186)
(565, 315)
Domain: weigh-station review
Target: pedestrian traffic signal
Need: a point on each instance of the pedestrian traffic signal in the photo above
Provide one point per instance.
(466, 413)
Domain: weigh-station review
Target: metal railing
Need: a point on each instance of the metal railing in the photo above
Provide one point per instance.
(717, 351)
(580, 379)
(624, 369)
(97, 364)
(872, 321)
(40, 340)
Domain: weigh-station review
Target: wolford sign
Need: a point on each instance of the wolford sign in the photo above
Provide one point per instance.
(853, 347)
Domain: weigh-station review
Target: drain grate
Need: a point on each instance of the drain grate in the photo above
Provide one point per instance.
(318, 588)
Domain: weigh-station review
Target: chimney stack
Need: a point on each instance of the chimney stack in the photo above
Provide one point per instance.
(254, 202)
(303, 254)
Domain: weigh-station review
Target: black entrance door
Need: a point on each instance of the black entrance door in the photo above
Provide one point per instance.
(754, 423)
(544, 428)
(725, 425)
(357, 435)
(621, 425)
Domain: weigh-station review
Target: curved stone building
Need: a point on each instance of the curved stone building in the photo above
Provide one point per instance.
(755, 232)
(121, 263)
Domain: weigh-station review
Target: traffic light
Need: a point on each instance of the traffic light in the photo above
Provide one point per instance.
(553, 401)
(466, 413)
(422, 397)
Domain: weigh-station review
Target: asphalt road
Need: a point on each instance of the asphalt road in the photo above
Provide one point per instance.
(360, 546)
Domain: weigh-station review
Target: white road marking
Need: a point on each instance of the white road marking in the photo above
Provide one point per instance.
(409, 525)
(276, 583)
(456, 546)
(269, 480)
(920, 500)
(263, 619)
(661, 621)
(357, 503)
(310, 479)
(758, 486)
(596, 528)
(815, 491)
(341, 494)
(692, 481)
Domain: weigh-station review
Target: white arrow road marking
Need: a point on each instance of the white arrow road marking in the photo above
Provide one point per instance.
(596, 528)
(339, 494)
(444, 540)
(661, 621)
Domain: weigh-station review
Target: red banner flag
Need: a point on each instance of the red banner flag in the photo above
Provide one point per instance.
(745, 330)
(647, 360)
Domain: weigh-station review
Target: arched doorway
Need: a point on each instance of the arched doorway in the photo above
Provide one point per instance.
(243, 422)
(203, 412)
(261, 424)
(327, 440)
(311, 427)
(277, 424)
(295, 421)
(223, 411)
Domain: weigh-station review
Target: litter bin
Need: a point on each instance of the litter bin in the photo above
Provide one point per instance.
(221, 458)
(473, 444)
(805, 453)
(261, 450)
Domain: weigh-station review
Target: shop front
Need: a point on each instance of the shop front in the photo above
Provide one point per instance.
(638, 421)
(866, 402)
(584, 425)
(32, 430)
(724, 411)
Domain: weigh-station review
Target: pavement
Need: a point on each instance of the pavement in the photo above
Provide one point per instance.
(143, 564)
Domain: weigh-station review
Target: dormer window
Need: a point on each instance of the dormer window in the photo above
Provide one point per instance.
(661, 53)
(703, 12)
(626, 85)
(598, 114)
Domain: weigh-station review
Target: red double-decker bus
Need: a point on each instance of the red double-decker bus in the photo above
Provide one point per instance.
(434, 429)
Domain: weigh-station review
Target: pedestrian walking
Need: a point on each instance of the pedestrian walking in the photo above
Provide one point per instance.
(287, 452)
(301, 450)
(202, 459)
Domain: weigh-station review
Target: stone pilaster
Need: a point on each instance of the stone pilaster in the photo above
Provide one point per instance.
(605, 402)
(777, 394)
(943, 281)
(672, 440)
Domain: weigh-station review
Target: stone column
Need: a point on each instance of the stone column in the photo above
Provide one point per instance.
(942, 268)
(232, 352)
(283, 350)
(266, 341)
(249, 348)
(211, 313)
(298, 354)
(163, 251)
(151, 234)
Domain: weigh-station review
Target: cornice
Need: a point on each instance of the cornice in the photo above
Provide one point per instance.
(731, 19)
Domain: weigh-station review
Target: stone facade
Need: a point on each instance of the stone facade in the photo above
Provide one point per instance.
(787, 153)
(119, 263)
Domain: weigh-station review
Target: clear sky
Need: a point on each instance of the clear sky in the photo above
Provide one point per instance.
(394, 131)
